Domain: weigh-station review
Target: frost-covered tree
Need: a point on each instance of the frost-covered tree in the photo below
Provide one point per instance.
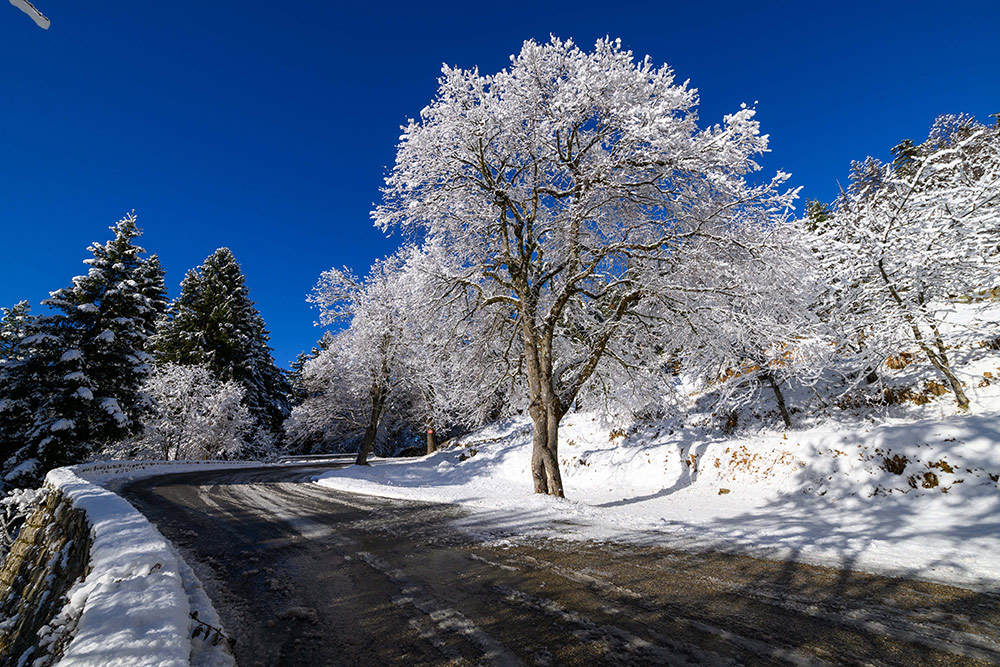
(458, 373)
(77, 384)
(408, 360)
(764, 339)
(214, 323)
(338, 407)
(906, 238)
(370, 352)
(193, 416)
(582, 201)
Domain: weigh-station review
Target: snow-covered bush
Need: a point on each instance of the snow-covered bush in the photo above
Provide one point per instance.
(194, 416)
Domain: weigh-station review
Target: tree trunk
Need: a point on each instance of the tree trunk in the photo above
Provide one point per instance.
(779, 397)
(371, 431)
(939, 360)
(539, 444)
(956, 386)
(544, 452)
(367, 444)
(551, 454)
(945, 368)
(544, 407)
(545, 416)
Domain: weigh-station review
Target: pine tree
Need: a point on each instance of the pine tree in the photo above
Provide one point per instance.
(154, 291)
(214, 323)
(16, 325)
(77, 382)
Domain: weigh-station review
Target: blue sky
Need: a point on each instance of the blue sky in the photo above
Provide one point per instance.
(268, 127)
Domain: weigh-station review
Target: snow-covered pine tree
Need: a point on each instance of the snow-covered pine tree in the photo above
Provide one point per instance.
(77, 382)
(14, 325)
(214, 323)
(154, 290)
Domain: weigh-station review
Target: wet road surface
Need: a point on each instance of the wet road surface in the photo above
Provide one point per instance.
(304, 575)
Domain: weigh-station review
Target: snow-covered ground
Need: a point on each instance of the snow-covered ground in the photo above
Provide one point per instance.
(821, 495)
(134, 607)
(911, 492)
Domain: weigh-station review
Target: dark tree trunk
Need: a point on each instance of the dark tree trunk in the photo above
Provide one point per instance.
(956, 386)
(378, 396)
(939, 359)
(776, 388)
(545, 454)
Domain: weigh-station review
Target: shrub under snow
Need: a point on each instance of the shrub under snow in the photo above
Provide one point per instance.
(194, 416)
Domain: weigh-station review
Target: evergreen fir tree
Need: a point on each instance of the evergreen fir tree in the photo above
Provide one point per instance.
(817, 215)
(214, 323)
(14, 325)
(154, 291)
(77, 382)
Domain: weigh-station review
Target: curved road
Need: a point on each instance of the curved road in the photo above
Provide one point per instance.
(303, 575)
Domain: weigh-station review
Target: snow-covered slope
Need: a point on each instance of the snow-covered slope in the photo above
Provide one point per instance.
(918, 499)
(905, 489)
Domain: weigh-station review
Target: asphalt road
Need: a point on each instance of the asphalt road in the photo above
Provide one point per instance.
(303, 575)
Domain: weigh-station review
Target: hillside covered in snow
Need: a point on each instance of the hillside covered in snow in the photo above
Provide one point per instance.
(908, 488)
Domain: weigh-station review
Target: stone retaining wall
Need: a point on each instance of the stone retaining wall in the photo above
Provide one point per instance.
(50, 555)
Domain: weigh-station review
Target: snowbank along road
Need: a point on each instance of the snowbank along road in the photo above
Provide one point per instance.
(303, 575)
